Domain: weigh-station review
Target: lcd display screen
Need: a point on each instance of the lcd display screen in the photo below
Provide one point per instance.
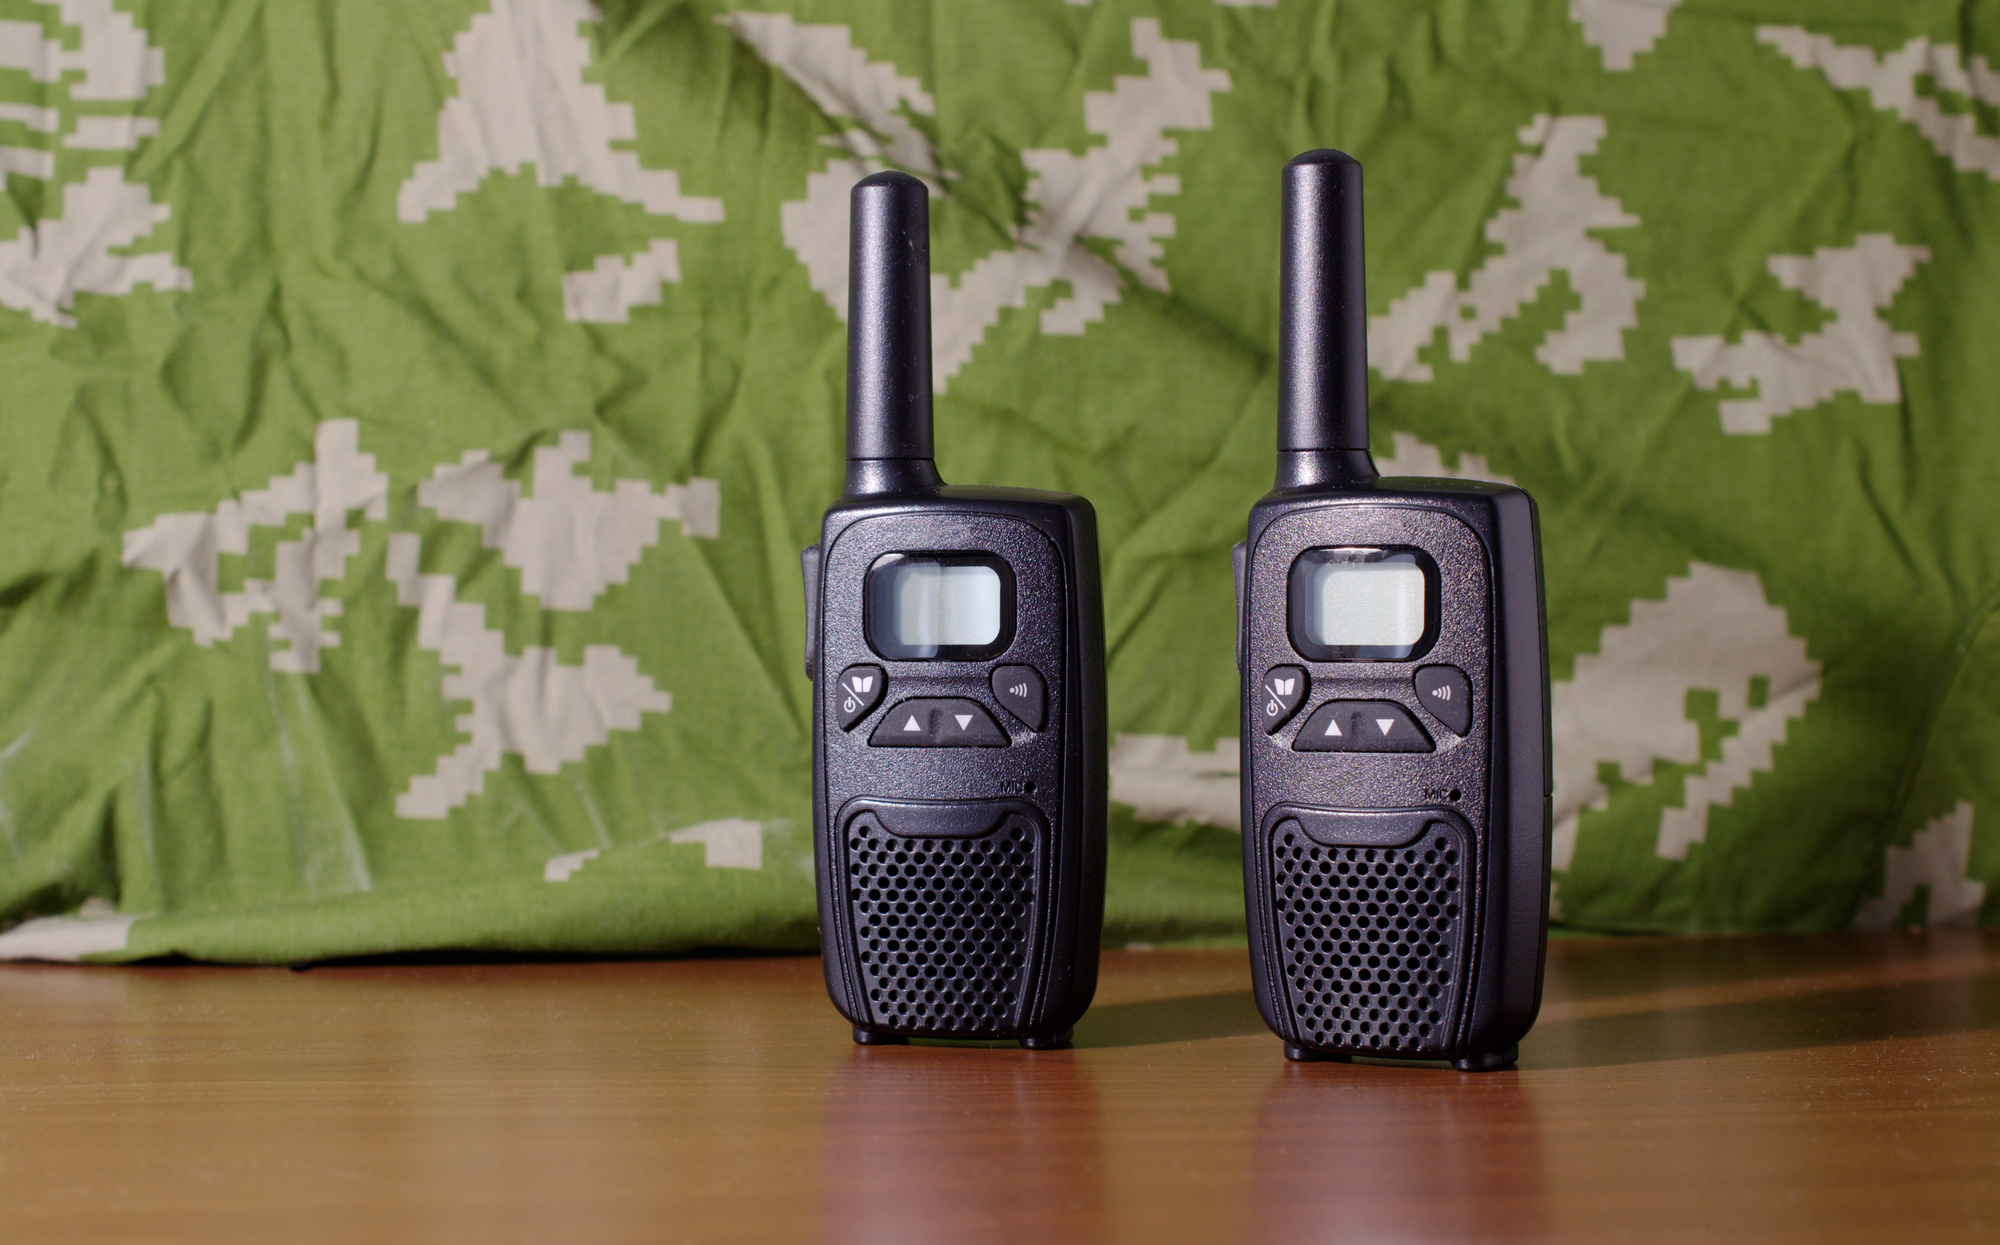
(950, 607)
(1361, 604)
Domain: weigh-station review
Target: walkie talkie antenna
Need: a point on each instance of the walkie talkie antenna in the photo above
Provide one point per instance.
(1322, 327)
(889, 338)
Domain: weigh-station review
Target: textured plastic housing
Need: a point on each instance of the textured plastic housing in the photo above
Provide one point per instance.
(961, 890)
(1398, 902)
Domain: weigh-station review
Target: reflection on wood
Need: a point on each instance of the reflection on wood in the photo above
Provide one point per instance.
(1394, 1154)
(926, 1144)
(1842, 1088)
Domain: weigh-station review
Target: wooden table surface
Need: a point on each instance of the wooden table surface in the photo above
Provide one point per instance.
(1812, 1088)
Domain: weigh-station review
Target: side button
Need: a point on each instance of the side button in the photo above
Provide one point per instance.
(1237, 553)
(1361, 726)
(1020, 691)
(857, 694)
(1447, 694)
(809, 572)
(940, 723)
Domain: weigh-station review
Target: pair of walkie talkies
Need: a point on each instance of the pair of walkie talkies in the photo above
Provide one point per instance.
(1395, 727)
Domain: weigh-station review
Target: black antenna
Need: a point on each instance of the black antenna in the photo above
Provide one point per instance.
(1323, 327)
(889, 337)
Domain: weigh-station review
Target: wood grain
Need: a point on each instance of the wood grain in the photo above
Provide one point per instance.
(1841, 1088)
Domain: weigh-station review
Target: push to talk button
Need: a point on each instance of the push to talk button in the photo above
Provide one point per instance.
(1361, 726)
(941, 723)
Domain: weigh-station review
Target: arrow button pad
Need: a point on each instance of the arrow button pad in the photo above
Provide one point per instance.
(1361, 726)
(944, 722)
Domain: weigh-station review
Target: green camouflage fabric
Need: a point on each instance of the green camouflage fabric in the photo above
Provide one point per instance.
(413, 414)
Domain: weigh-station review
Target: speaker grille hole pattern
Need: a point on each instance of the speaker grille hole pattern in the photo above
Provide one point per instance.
(944, 929)
(1373, 939)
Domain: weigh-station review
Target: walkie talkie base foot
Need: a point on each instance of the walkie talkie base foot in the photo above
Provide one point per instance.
(1305, 1054)
(1491, 1061)
(868, 1037)
(1048, 1041)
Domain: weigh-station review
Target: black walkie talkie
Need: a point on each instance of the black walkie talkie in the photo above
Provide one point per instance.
(1396, 772)
(956, 640)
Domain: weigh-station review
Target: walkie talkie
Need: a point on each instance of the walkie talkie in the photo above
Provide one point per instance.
(1395, 731)
(955, 637)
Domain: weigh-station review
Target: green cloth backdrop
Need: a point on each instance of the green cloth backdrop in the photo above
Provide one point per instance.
(412, 413)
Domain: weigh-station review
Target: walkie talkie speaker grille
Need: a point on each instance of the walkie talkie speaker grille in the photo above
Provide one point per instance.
(945, 929)
(1373, 940)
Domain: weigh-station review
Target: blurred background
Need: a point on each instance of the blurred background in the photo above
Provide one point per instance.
(413, 415)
